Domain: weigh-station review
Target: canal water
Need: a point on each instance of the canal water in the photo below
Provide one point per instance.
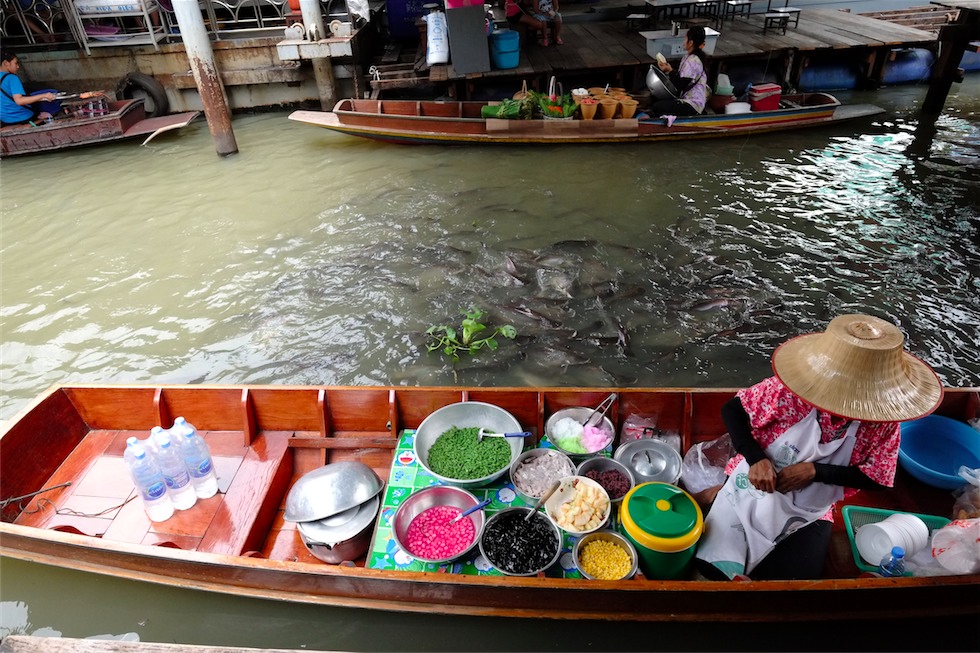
(315, 258)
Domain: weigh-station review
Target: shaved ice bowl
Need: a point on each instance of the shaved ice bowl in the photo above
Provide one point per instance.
(559, 432)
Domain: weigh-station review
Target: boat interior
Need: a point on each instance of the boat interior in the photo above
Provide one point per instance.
(68, 448)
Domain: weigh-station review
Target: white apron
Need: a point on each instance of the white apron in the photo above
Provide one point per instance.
(745, 524)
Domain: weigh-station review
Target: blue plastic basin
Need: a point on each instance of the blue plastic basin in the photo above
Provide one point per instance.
(934, 448)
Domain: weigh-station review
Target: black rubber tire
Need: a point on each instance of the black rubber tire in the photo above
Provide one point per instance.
(138, 85)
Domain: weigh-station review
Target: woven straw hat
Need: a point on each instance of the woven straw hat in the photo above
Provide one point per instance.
(858, 369)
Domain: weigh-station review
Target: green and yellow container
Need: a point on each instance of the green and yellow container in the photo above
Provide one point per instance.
(664, 523)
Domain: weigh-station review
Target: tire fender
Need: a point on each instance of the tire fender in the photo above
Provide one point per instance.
(139, 85)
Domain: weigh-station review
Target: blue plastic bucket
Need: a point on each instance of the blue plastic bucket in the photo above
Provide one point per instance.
(505, 49)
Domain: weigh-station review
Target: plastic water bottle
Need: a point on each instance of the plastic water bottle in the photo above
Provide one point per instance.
(174, 470)
(149, 481)
(197, 457)
(893, 564)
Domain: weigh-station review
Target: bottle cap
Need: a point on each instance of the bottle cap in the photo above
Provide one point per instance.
(898, 552)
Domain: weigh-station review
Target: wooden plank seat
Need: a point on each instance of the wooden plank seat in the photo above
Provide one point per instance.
(733, 9)
(792, 12)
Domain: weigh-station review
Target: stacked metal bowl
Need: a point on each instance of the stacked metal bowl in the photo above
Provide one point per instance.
(335, 508)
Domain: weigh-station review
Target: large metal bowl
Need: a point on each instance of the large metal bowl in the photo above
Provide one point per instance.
(467, 414)
(435, 495)
(330, 490)
(521, 513)
(661, 88)
(650, 460)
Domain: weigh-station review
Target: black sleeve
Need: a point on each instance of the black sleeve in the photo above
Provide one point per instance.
(680, 83)
(737, 422)
(845, 476)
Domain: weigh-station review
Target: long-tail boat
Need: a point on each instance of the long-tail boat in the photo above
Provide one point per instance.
(460, 123)
(114, 121)
(65, 495)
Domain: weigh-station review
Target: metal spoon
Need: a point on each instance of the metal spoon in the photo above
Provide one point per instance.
(483, 504)
(544, 497)
(481, 435)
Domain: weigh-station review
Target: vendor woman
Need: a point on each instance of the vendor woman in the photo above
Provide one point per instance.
(690, 79)
(825, 426)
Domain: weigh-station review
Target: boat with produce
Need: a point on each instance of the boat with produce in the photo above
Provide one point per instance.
(464, 123)
(317, 487)
(89, 122)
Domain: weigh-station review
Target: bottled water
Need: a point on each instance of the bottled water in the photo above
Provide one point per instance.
(174, 470)
(149, 481)
(197, 457)
(893, 564)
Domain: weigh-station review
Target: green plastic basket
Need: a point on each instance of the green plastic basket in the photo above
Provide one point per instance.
(857, 516)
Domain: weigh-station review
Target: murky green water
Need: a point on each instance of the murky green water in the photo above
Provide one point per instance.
(315, 258)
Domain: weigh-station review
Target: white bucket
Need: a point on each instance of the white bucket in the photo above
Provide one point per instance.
(738, 107)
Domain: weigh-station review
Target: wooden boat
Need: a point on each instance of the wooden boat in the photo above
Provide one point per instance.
(421, 121)
(122, 119)
(63, 481)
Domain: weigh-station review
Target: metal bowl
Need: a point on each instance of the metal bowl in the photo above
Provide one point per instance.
(348, 550)
(579, 414)
(650, 460)
(467, 414)
(661, 88)
(608, 536)
(330, 490)
(602, 464)
(522, 512)
(342, 526)
(534, 453)
(435, 495)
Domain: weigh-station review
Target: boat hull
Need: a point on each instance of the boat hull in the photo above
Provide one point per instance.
(459, 123)
(238, 543)
(125, 119)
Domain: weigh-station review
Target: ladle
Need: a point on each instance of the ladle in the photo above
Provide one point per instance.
(481, 435)
(544, 497)
(601, 409)
(480, 506)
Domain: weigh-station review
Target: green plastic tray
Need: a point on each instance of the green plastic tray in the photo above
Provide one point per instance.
(857, 516)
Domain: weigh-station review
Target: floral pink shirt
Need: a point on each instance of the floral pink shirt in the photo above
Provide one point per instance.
(772, 409)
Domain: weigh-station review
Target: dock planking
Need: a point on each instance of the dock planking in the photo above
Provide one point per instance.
(598, 47)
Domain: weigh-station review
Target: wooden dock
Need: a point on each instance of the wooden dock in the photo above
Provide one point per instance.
(614, 52)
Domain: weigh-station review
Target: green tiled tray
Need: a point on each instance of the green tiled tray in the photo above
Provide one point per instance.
(407, 476)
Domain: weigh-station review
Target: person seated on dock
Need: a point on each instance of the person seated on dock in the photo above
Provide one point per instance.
(517, 16)
(546, 11)
(823, 428)
(690, 79)
(15, 104)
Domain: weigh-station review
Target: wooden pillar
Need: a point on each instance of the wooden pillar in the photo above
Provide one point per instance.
(953, 40)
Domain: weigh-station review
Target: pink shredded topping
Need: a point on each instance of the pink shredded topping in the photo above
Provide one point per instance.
(431, 536)
(594, 438)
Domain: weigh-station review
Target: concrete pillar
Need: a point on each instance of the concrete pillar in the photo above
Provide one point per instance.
(322, 68)
(205, 71)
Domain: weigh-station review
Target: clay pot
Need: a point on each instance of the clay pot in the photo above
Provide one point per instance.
(588, 110)
(607, 108)
(578, 98)
(628, 107)
(597, 90)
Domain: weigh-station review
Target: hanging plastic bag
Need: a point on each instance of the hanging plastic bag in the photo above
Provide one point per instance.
(636, 427)
(704, 464)
(437, 38)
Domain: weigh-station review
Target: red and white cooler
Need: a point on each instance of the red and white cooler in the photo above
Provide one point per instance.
(765, 97)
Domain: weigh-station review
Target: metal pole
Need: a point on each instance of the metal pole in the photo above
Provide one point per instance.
(322, 68)
(201, 57)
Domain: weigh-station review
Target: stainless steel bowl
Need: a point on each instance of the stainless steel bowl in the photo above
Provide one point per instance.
(425, 498)
(608, 536)
(650, 460)
(342, 526)
(534, 453)
(348, 550)
(602, 464)
(467, 414)
(330, 490)
(579, 414)
(523, 512)
(661, 88)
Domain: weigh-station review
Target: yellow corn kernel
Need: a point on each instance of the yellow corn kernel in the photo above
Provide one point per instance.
(605, 560)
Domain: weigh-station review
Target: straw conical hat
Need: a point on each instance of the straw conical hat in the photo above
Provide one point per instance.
(858, 369)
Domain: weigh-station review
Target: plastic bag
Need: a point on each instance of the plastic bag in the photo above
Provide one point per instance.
(636, 427)
(956, 546)
(704, 464)
(967, 498)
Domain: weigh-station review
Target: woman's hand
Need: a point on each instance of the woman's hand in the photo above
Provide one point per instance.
(762, 476)
(664, 66)
(795, 477)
